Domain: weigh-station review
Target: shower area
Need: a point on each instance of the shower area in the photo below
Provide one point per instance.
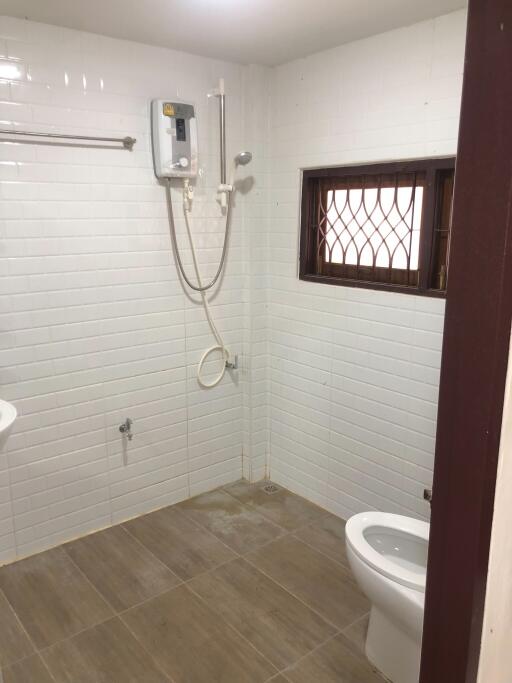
(194, 423)
(100, 328)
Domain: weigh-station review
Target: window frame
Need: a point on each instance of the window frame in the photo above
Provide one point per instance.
(432, 168)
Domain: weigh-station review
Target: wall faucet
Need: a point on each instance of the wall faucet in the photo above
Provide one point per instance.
(126, 428)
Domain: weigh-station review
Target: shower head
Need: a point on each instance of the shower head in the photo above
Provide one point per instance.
(243, 158)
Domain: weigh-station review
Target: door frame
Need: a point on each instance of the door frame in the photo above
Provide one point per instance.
(475, 354)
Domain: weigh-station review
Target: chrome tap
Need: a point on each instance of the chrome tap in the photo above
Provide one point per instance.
(126, 428)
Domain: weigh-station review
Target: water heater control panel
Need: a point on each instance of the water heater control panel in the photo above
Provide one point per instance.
(174, 135)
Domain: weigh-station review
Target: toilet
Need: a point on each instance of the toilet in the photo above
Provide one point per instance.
(388, 556)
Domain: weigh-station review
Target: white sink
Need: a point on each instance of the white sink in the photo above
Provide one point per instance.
(7, 416)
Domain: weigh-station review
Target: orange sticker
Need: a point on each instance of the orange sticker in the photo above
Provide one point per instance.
(168, 109)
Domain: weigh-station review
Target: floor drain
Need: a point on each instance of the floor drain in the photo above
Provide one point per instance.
(271, 488)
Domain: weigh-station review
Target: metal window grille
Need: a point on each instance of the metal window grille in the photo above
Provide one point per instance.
(369, 227)
(379, 226)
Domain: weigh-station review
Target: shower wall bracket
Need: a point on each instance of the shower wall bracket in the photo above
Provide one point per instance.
(232, 365)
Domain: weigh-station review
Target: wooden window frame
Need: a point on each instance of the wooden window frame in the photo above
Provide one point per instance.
(431, 168)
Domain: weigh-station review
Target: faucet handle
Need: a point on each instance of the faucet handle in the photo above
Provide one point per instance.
(126, 428)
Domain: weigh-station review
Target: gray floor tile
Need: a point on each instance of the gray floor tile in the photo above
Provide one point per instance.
(107, 653)
(192, 643)
(334, 662)
(281, 627)
(121, 568)
(357, 632)
(283, 508)
(178, 542)
(321, 583)
(51, 597)
(239, 526)
(239, 620)
(328, 536)
(14, 642)
(31, 670)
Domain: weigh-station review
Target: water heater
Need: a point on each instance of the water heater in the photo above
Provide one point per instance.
(174, 134)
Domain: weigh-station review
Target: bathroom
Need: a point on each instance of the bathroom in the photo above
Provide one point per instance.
(235, 485)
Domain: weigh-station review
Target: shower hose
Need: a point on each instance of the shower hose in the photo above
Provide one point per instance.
(202, 289)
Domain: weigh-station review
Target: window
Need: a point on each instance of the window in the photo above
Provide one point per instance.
(383, 226)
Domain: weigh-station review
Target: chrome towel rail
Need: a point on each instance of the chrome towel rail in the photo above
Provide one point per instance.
(126, 142)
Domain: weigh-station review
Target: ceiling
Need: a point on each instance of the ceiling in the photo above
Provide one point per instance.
(248, 31)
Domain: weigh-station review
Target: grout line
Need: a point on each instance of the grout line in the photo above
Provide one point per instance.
(157, 666)
(40, 652)
(346, 567)
(337, 632)
(358, 319)
(285, 534)
(297, 597)
(36, 654)
(379, 386)
(240, 556)
(279, 354)
(233, 628)
(293, 533)
(261, 546)
(203, 528)
(236, 555)
(356, 621)
(255, 508)
(323, 512)
(186, 351)
(339, 404)
(362, 652)
(352, 496)
(182, 582)
(88, 580)
(29, 637)
(366, 429)
(153, 597)
(282, 530)
(115, 615)
(72, 635)
(144, 547)
(292, 666)
(213, 569)
(200, 526)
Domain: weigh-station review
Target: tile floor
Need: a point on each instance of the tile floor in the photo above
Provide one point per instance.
(234, 586)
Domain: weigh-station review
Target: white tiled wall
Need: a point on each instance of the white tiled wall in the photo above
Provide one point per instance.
(336, 396)
(354, 373)
(94, 323)
(257, 219)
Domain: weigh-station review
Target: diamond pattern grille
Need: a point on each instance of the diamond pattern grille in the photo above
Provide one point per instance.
(369, 226)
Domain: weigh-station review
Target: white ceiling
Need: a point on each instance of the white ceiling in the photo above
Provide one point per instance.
(248, 31)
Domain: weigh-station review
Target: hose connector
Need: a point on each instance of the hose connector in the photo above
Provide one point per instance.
(188, 193)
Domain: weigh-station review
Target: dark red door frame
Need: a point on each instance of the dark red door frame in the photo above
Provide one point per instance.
(475, 353)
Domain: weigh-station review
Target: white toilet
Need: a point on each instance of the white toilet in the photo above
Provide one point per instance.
(388, 556)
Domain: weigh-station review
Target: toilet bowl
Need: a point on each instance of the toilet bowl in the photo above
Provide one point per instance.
(388, 556)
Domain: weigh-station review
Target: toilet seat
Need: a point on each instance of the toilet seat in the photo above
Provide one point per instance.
(359, 526)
